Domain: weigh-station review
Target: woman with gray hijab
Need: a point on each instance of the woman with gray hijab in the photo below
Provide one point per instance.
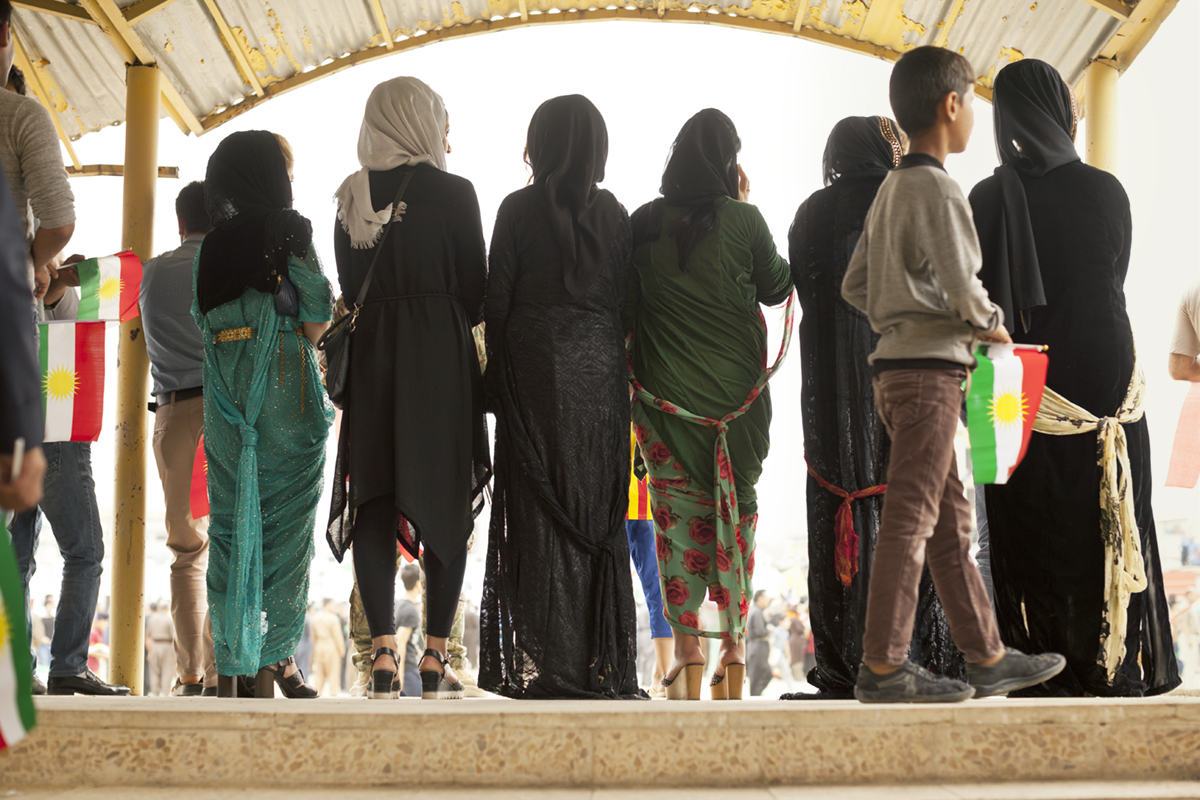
(412, 452)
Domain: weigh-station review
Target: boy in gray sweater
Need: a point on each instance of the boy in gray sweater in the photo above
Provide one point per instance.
(914, 274)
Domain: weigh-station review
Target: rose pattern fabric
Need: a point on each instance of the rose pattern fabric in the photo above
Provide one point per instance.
(705, 548)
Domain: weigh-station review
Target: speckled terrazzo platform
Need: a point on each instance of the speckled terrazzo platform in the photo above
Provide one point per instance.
(505, 744)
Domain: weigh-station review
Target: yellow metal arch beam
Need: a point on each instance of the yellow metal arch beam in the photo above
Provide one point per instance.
(134, 51)
(56, 8)
(33, 79)
(234, 46)
(142, 9)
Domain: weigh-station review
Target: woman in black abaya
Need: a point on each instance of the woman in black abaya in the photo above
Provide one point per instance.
(844, 442)
(557, 618)
(1055, 235)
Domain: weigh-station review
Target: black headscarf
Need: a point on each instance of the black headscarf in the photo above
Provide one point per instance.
(248, 195)
(861, 147)
(701, 168)
(1034, 119)
(568, 147)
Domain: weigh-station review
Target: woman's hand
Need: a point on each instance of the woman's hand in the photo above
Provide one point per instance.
(743, 185)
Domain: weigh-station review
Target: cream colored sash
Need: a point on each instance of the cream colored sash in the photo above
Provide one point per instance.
(1125, 572)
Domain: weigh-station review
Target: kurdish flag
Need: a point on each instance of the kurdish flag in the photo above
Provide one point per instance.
(1006, 391)
(109, 287)
(16, 683)
(199, 493)
(72, 358)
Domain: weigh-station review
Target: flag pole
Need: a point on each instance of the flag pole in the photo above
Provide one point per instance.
(127, 633)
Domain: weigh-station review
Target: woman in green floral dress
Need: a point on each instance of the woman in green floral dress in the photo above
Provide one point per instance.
(704, 261)
(261, 303)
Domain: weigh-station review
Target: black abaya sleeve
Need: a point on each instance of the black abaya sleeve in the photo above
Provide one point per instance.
(502, 267)
(470, 255)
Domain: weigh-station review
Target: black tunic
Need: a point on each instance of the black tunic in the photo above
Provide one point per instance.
(558, 616)
(414, 415)
(1048, 558)
(845, 442)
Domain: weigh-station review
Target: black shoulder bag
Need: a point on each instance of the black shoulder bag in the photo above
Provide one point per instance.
(336, 341)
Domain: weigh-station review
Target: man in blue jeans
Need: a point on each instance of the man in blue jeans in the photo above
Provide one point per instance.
(70, 505)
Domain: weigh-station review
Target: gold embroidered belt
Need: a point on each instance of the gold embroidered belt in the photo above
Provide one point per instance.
(239, 335)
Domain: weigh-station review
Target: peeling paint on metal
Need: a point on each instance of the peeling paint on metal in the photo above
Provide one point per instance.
(1011, 53)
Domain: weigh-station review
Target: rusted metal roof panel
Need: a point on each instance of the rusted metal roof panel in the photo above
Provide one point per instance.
(222, 57)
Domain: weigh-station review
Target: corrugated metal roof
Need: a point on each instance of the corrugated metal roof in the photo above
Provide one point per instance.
(221, 57)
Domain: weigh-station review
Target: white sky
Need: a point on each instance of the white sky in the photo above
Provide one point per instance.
(783, 94)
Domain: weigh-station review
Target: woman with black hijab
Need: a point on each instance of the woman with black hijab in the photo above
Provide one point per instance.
(704, 261)
(845, 445)
(558, 617)
(262, 302)
(1070, 576)
(412, 451)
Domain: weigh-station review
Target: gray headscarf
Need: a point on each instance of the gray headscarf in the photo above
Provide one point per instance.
(404, 123)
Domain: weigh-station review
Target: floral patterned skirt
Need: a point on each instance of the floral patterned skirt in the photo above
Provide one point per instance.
(693, 560)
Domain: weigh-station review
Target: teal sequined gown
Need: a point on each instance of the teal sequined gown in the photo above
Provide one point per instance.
(266, 418)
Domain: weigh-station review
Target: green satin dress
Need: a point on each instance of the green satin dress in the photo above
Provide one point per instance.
(702, 409)
(266, 419)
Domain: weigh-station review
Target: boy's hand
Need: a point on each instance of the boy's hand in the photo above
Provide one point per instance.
(999, 337)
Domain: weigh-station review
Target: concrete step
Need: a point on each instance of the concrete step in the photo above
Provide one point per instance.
(1059, 790)
(346, 743)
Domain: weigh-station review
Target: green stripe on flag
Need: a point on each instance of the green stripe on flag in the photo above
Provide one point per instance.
(89, 289)
(980, 427)
(43, 359)
(13, 592)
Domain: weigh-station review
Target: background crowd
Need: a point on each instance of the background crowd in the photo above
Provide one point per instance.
(246, 626)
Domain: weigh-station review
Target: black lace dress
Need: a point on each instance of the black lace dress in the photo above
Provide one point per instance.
(558, 617)
(845, 443)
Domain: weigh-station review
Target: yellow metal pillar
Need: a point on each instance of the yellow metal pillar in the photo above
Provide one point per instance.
(127, 633)
(1101, 101)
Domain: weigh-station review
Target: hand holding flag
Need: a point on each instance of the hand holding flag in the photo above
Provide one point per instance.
(109, 287)
(1002, 401)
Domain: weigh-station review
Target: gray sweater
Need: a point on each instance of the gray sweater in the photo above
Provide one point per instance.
(914, 270)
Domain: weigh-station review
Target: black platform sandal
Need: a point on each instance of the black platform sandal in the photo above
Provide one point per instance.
(292, 686)
(434, 685)
(235, 686)
(385, 683)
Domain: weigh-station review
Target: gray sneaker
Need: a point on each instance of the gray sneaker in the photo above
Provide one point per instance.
(909, 684)
(1015, 671)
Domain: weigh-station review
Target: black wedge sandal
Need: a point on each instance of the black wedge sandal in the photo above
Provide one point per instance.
(292, 686)
(235, 686)
(385, 683)
(434, 685)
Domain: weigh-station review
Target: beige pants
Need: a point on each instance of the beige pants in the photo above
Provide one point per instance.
(162, 668)
(177, 431)
(326, 668)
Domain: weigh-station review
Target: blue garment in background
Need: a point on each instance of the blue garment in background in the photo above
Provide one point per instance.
(645, 561)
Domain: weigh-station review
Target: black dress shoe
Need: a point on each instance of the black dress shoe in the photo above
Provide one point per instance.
(38, 686)
(87, 683)
(181, 689)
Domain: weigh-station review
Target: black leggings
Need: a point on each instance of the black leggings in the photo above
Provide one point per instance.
(375, 569)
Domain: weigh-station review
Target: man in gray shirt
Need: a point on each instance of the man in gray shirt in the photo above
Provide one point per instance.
(32, 160)
(176, 352)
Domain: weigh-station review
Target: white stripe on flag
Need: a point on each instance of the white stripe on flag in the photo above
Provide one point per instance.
(10, 714)
(110, 282)
(60, 354)
(1009, 375)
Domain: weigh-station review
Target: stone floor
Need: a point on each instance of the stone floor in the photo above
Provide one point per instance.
(1167, 790)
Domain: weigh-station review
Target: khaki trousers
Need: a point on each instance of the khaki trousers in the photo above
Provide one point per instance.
(162, 668)
(177, 431)
(326, 669)
(925, 516)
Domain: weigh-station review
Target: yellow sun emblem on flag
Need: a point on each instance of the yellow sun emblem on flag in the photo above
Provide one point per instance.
(1008, 408)
(61, 383)
(110, 288)
(5, 632)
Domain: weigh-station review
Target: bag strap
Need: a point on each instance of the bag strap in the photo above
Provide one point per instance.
(362, 293)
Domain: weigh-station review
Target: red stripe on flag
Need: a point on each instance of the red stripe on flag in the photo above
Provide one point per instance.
(88, 417)
(643, 511)
(199, 496)
(1033, 384)
(131, 285)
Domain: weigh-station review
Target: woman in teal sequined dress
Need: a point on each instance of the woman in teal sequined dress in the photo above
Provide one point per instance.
(261, 304)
